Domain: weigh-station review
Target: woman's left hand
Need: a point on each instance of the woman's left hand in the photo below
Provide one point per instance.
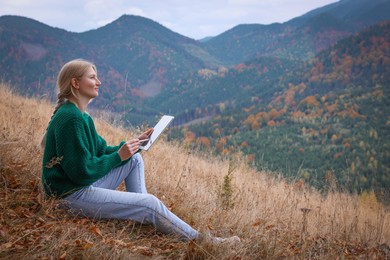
(146, 135)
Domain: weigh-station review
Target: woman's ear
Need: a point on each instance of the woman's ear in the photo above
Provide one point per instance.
(75, 83)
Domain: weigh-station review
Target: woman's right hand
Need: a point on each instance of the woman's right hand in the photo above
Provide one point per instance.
(129, 149)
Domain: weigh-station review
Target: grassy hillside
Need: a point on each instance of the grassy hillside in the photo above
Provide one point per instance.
(273, 218)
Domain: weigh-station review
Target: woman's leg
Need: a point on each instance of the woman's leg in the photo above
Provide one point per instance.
(135, 181)
(132, 173)
(101, 203)
(101, 200)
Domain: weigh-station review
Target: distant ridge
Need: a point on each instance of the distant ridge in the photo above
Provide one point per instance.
(132, 51)
(360, 13)
(205, 39)
(139, 58)
(291, 39)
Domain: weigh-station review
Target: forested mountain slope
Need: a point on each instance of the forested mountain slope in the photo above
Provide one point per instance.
(328, 121)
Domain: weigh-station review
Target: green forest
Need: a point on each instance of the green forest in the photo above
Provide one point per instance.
(326, 122)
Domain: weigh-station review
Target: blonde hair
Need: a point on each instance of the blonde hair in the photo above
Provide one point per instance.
(70, 70)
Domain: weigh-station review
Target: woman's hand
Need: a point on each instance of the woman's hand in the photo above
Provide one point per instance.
(146, 135)
(128, 149)
(131, 147)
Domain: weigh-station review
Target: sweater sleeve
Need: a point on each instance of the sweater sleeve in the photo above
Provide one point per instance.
(103, 148)
(80, 160)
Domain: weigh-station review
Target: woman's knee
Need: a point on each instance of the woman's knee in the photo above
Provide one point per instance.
(153, 202)
(137, 157)
(135, 160)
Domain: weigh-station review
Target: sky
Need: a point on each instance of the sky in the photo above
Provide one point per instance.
(192, 18)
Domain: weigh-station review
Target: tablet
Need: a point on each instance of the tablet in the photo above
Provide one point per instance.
(157, 130)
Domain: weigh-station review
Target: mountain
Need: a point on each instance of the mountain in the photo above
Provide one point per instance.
(326, 121)
(245, 41)
(136, 57)
(358, 13)
(139, 46)
(300, 38)
(139, 59)
(206, 92)
(30, 53)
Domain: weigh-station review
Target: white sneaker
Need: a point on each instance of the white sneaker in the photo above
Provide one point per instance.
(208, 238)
(227, 240)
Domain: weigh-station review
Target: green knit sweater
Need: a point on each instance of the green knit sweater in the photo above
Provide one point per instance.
(75, 155)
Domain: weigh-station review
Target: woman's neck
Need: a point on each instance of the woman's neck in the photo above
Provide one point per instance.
(80, 103)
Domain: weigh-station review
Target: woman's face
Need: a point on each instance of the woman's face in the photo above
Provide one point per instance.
(88, 84)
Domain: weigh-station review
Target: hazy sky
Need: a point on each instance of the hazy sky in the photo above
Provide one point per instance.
(192, 18)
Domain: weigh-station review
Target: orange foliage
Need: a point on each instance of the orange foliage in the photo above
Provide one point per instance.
(263, 116)
(316, 71)
(330, 108)
(251, 157)
(204, 141)
(290, 93)
(225, 151)
(240, 67)
(189, 137)
(289, 97)
(221, 144)
(301, 87)
(310, 101)
(334, 138)
(271, 123)
(277, 100)
(298, 114)
(249, 120)
(252, 121)
(346, 64)
(255, 125)
(346, 145)
(337, 155)
(350, 112)
(273, 113)
(244, 144)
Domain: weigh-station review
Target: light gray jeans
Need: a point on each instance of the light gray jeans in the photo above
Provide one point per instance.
(101, 201)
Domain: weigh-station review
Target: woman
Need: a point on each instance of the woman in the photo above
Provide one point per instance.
(79, 168)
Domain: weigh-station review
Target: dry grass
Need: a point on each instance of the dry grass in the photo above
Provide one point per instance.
(275, 219)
